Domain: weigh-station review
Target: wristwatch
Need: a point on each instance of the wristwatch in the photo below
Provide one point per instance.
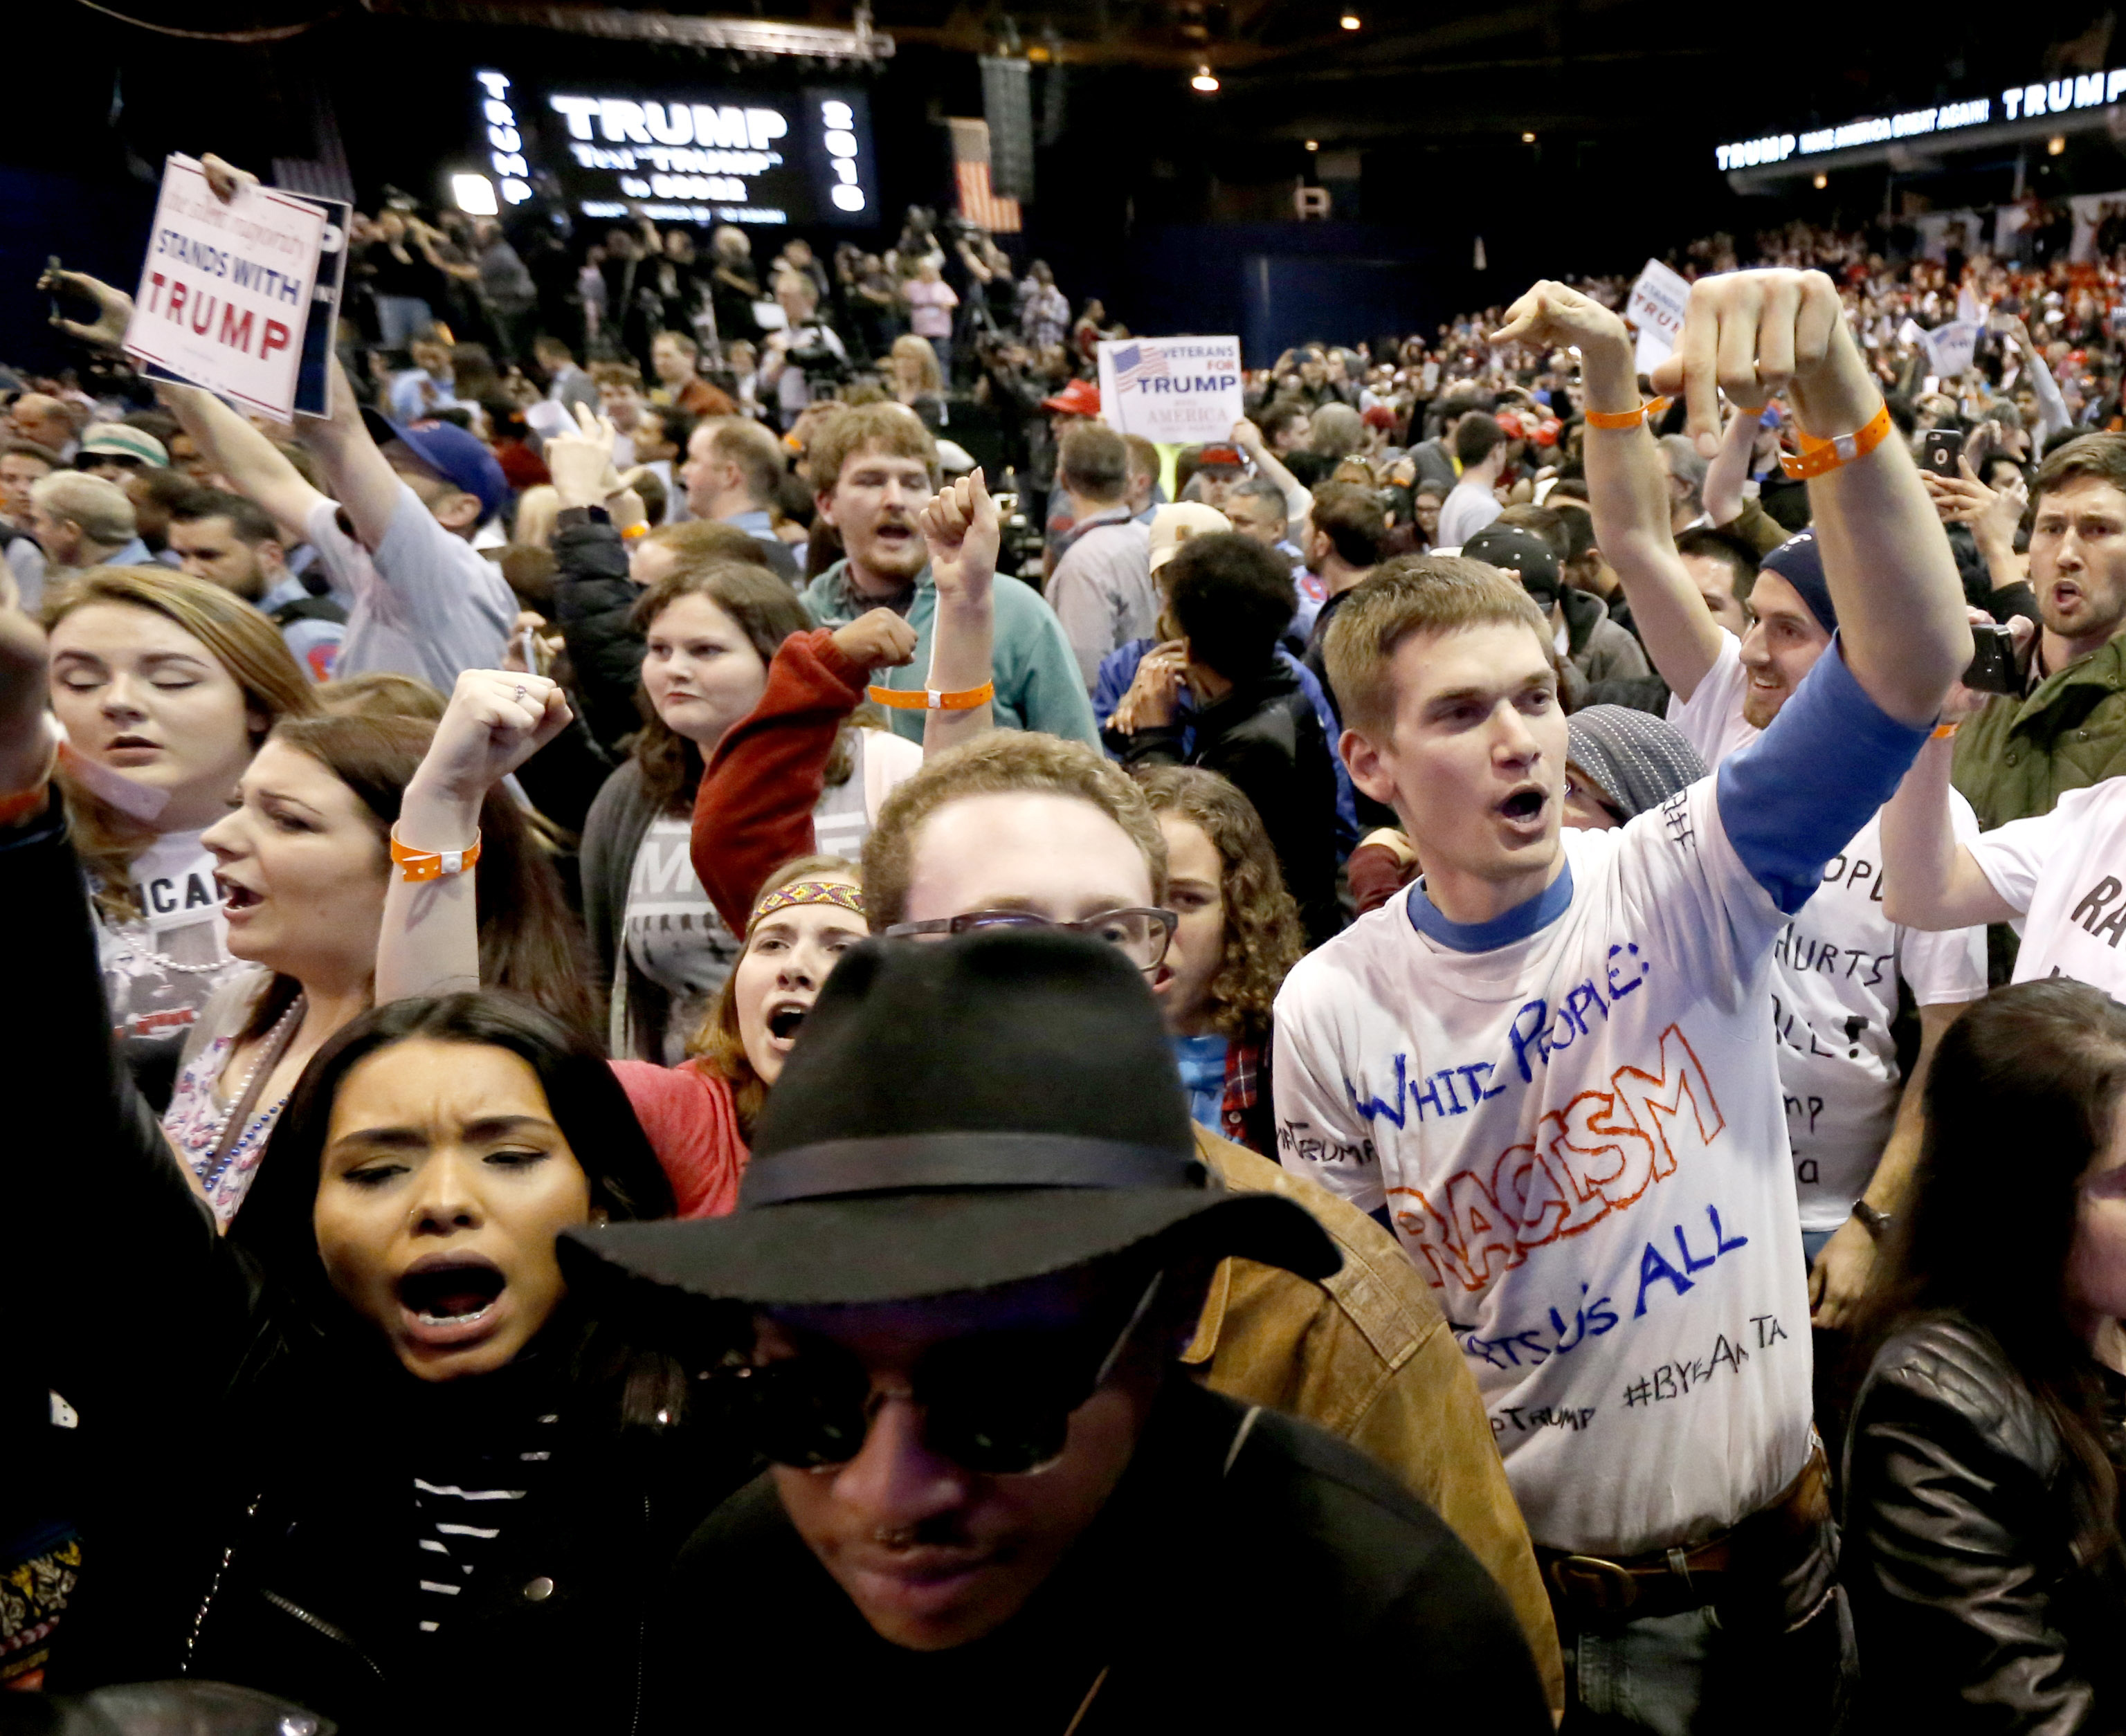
(1876, 1223)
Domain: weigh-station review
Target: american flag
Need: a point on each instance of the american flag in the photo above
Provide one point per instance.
(1133, 362)
(970, 170)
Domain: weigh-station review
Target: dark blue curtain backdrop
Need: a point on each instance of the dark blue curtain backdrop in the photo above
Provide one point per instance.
(1275, 284)
(99, 227)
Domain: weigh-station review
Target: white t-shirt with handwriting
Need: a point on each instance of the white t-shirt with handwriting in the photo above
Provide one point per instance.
(1578, 1136)
(1835, 972)
(2066, 872)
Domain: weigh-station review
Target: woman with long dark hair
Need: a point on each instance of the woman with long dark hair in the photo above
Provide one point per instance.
(368, 1451)
(1982, 1553)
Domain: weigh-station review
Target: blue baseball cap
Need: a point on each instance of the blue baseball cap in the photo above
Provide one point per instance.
(460, 459)
(1799, 562)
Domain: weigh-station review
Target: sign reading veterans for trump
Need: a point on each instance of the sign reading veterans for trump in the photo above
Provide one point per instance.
(225, 293)
(1172, 390)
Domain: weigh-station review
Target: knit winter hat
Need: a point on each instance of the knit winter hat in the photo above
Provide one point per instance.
(1637, 761)
(1799, 562)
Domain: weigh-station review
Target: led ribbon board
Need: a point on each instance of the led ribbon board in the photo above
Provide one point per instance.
(2049, 97)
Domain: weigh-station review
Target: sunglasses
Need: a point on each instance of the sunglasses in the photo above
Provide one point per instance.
(1143, 935)
(998, 1405)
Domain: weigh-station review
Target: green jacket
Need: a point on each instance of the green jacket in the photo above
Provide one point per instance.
(1038, 687)
(2017, 758)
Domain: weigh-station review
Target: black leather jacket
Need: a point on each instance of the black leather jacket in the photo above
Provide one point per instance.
(1971, 1612)
(249, 1509)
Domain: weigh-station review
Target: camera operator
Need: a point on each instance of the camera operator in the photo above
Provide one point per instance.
(806, 354)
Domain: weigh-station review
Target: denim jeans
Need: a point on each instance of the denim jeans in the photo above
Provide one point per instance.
(1691, 1675)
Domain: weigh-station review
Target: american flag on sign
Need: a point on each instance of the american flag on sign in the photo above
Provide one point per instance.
(1135, 363)
(971, 172)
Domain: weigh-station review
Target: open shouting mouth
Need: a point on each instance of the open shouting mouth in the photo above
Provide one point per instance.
(784, 1019)
(450, 1300)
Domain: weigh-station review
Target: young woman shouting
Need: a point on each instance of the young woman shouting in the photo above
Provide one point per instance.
(415, 1470)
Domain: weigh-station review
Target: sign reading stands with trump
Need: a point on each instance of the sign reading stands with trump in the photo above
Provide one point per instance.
(1659, 301)
(226, 292)
(1179, 391)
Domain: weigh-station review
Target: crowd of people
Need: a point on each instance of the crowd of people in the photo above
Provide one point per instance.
(680, 1034)
(463, 319)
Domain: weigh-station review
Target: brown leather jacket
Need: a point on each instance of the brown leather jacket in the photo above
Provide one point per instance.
(1367, 1356)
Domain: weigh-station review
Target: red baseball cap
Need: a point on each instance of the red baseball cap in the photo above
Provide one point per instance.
(1080, 398)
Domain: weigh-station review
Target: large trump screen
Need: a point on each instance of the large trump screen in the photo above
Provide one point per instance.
(680, 152)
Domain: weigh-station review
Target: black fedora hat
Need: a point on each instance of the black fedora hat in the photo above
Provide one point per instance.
(958, 1114)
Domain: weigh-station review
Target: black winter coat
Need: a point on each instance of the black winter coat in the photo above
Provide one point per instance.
(593, 602)
(250, 1449)
(1972, 1613)
(1264, 739)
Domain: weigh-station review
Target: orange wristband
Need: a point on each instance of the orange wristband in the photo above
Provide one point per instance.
(1626, 418)
(1820, 457)
(432, 865)
(930, 699)
(633, 532)
(1944, 732)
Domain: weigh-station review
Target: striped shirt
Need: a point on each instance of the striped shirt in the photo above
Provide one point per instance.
(464, 1506)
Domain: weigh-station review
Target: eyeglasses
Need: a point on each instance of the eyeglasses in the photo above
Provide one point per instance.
(999, 1404)
(1142, 935)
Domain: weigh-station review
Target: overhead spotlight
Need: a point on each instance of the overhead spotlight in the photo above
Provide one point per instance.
(474, 194)
(2055, 144)
(1205, 80)
(1314, 144)
(1528, 137)
(1350, 20)
(1822, 183)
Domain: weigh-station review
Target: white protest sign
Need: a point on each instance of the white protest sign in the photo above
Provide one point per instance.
(1172, 390)
(225, 293)
(1950, 346)
(1656, 307)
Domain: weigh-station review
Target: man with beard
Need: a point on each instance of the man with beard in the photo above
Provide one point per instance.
(2043, 766)
(2067, 728)
(872, 468)
(233, 542)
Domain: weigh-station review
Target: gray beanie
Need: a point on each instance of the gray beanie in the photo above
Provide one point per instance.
(1637, 761)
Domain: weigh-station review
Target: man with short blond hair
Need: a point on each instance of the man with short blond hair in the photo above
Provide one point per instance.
(82, 520)
(733, 469)
(1551, 1064)
(873, 467)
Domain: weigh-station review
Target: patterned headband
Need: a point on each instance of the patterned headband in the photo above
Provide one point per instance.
(838, 893)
